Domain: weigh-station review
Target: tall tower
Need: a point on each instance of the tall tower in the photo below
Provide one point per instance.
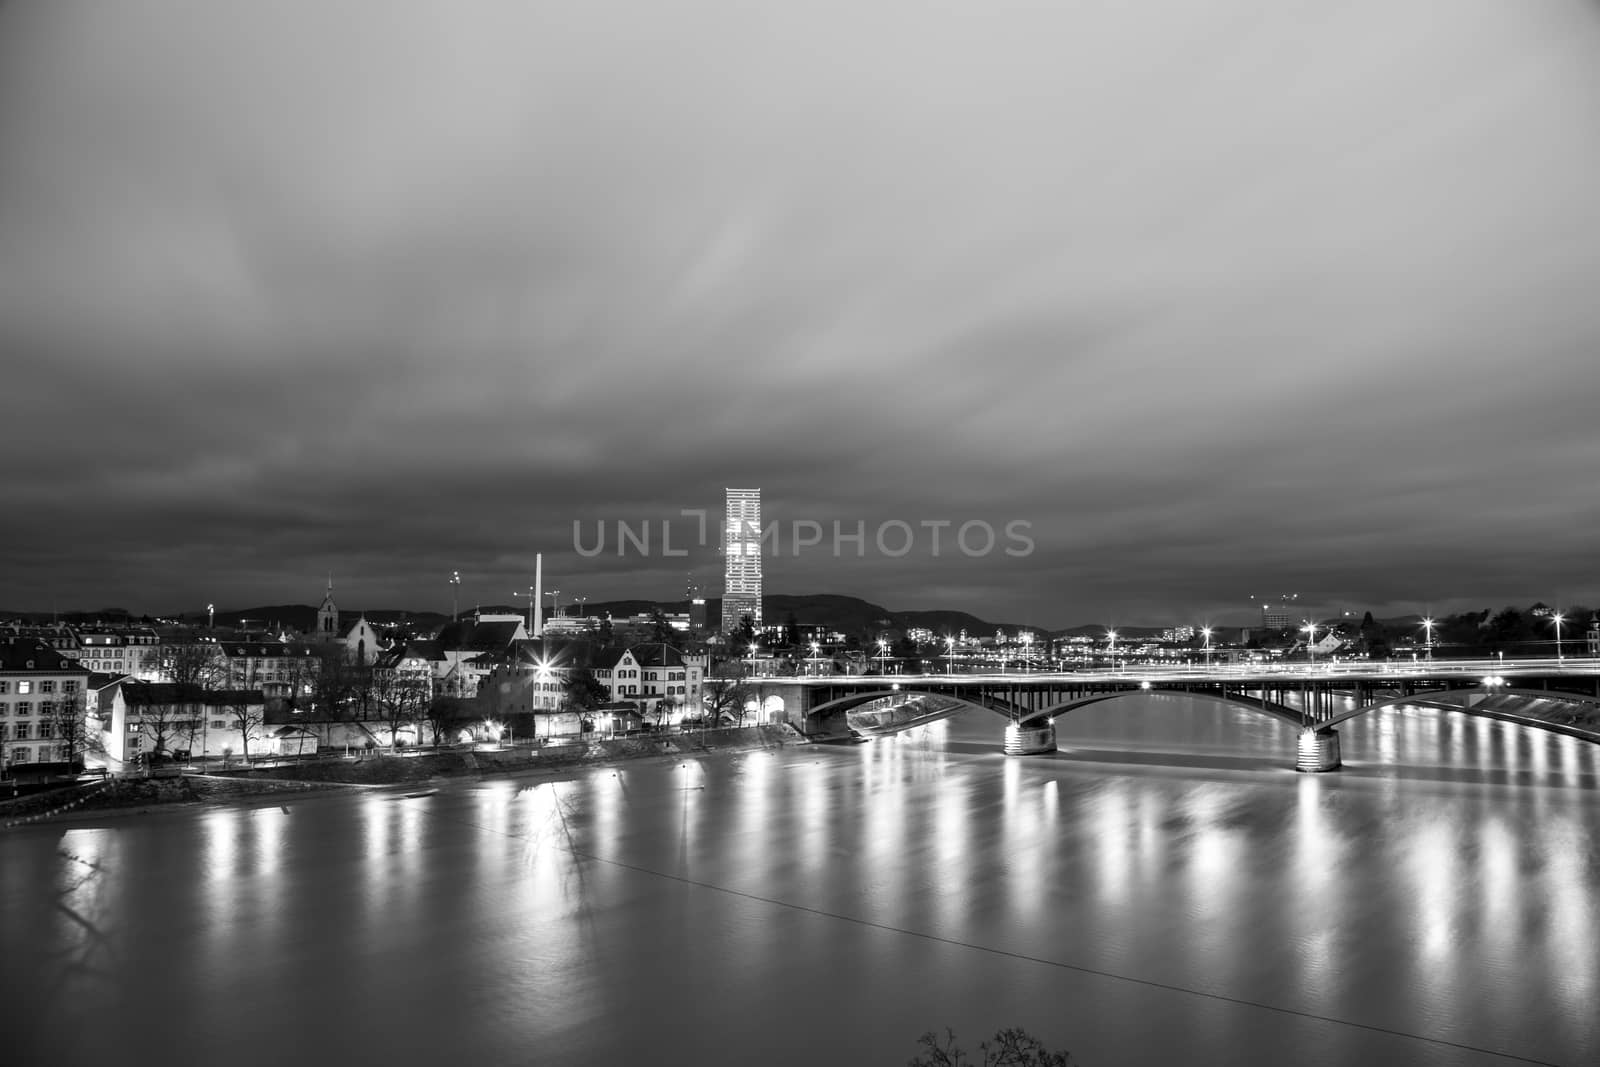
(741, 549)
(328, 615)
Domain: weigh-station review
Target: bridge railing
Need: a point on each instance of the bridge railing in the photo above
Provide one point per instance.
(1475, 668)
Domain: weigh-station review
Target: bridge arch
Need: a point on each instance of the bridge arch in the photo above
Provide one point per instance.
(826, 717)
(1461, 699)
(830, 717)
(1281, 712)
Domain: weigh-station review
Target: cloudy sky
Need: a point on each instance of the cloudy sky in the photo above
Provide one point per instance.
(1227, 298)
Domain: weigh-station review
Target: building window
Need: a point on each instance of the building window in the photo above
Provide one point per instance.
(47, 686)
(219, 724)
(5, 687)
(21, 732)
(24, 687)
(70, 686)
(47, 707)
(24, 707)
(47, 730)
(20, 754)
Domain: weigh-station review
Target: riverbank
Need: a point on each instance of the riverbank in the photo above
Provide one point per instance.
(134, 795)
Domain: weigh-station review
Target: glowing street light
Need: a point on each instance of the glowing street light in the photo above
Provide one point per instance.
(1205, 631)
(455, 595)
(883, 655)
(1027, 650)
(543, 675)
(1310, 629)
(533, 599)
(1111, 648)
(950, 651)
(816, 650)
(1427, 629)
(1558, 619)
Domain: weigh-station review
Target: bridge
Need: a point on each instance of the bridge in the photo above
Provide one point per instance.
(1561, 695)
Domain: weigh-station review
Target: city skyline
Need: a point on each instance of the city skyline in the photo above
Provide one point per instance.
(1221, 303)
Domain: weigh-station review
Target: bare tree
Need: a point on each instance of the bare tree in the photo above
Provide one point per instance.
(246, 713)
(726, 690)
(338, 689)
(443, 713)
(192, 665)
(1010, 1048)
(398, 701)
(169, 714)
(67, 725)
(583, 691)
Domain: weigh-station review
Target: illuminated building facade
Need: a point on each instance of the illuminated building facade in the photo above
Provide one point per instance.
(741, 549)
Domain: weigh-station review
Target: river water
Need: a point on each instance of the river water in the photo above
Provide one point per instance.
(1164, 890)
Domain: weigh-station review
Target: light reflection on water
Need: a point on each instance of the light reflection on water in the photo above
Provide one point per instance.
(1445, 884)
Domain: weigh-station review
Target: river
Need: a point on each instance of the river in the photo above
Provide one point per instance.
(1163, 890)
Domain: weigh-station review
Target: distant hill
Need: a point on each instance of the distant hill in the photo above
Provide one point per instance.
(847, 614)
(303, 617)
(1096, 629)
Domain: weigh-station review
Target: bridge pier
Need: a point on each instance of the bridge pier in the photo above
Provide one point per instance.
(1318, 751)
(1030, 740)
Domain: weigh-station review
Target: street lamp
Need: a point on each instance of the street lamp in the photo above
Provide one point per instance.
(950, 651)
(1027, 650)
(555, 603)
(1427, 629)
(1493, 683)
(1310, 629)
(816, 650)
(1558, 618)
(1206, 633)
(455, 595)
(533, 599)
(543, 677)
(883, 656)
(1111, 648)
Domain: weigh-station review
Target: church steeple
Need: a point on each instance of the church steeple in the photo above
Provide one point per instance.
(328, 615)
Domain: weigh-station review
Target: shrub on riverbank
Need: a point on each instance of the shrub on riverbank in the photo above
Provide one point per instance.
(1013, 1047)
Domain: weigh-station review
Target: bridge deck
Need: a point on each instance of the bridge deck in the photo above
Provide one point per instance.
(1232, 674)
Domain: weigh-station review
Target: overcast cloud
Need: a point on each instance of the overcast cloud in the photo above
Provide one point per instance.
(1232, 298)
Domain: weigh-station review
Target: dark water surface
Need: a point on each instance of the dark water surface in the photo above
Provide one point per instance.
(1163, 890)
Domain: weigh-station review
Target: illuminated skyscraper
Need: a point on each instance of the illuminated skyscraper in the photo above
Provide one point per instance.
(741, 550)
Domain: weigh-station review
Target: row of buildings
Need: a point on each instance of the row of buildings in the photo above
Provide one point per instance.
(136, 689)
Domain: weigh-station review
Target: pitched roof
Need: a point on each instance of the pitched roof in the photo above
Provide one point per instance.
(607, 658)
(157, 694)
(390, 658)
(349, 626)
(657, 654)
(468, 636)
(27, 654)
(246, 649)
